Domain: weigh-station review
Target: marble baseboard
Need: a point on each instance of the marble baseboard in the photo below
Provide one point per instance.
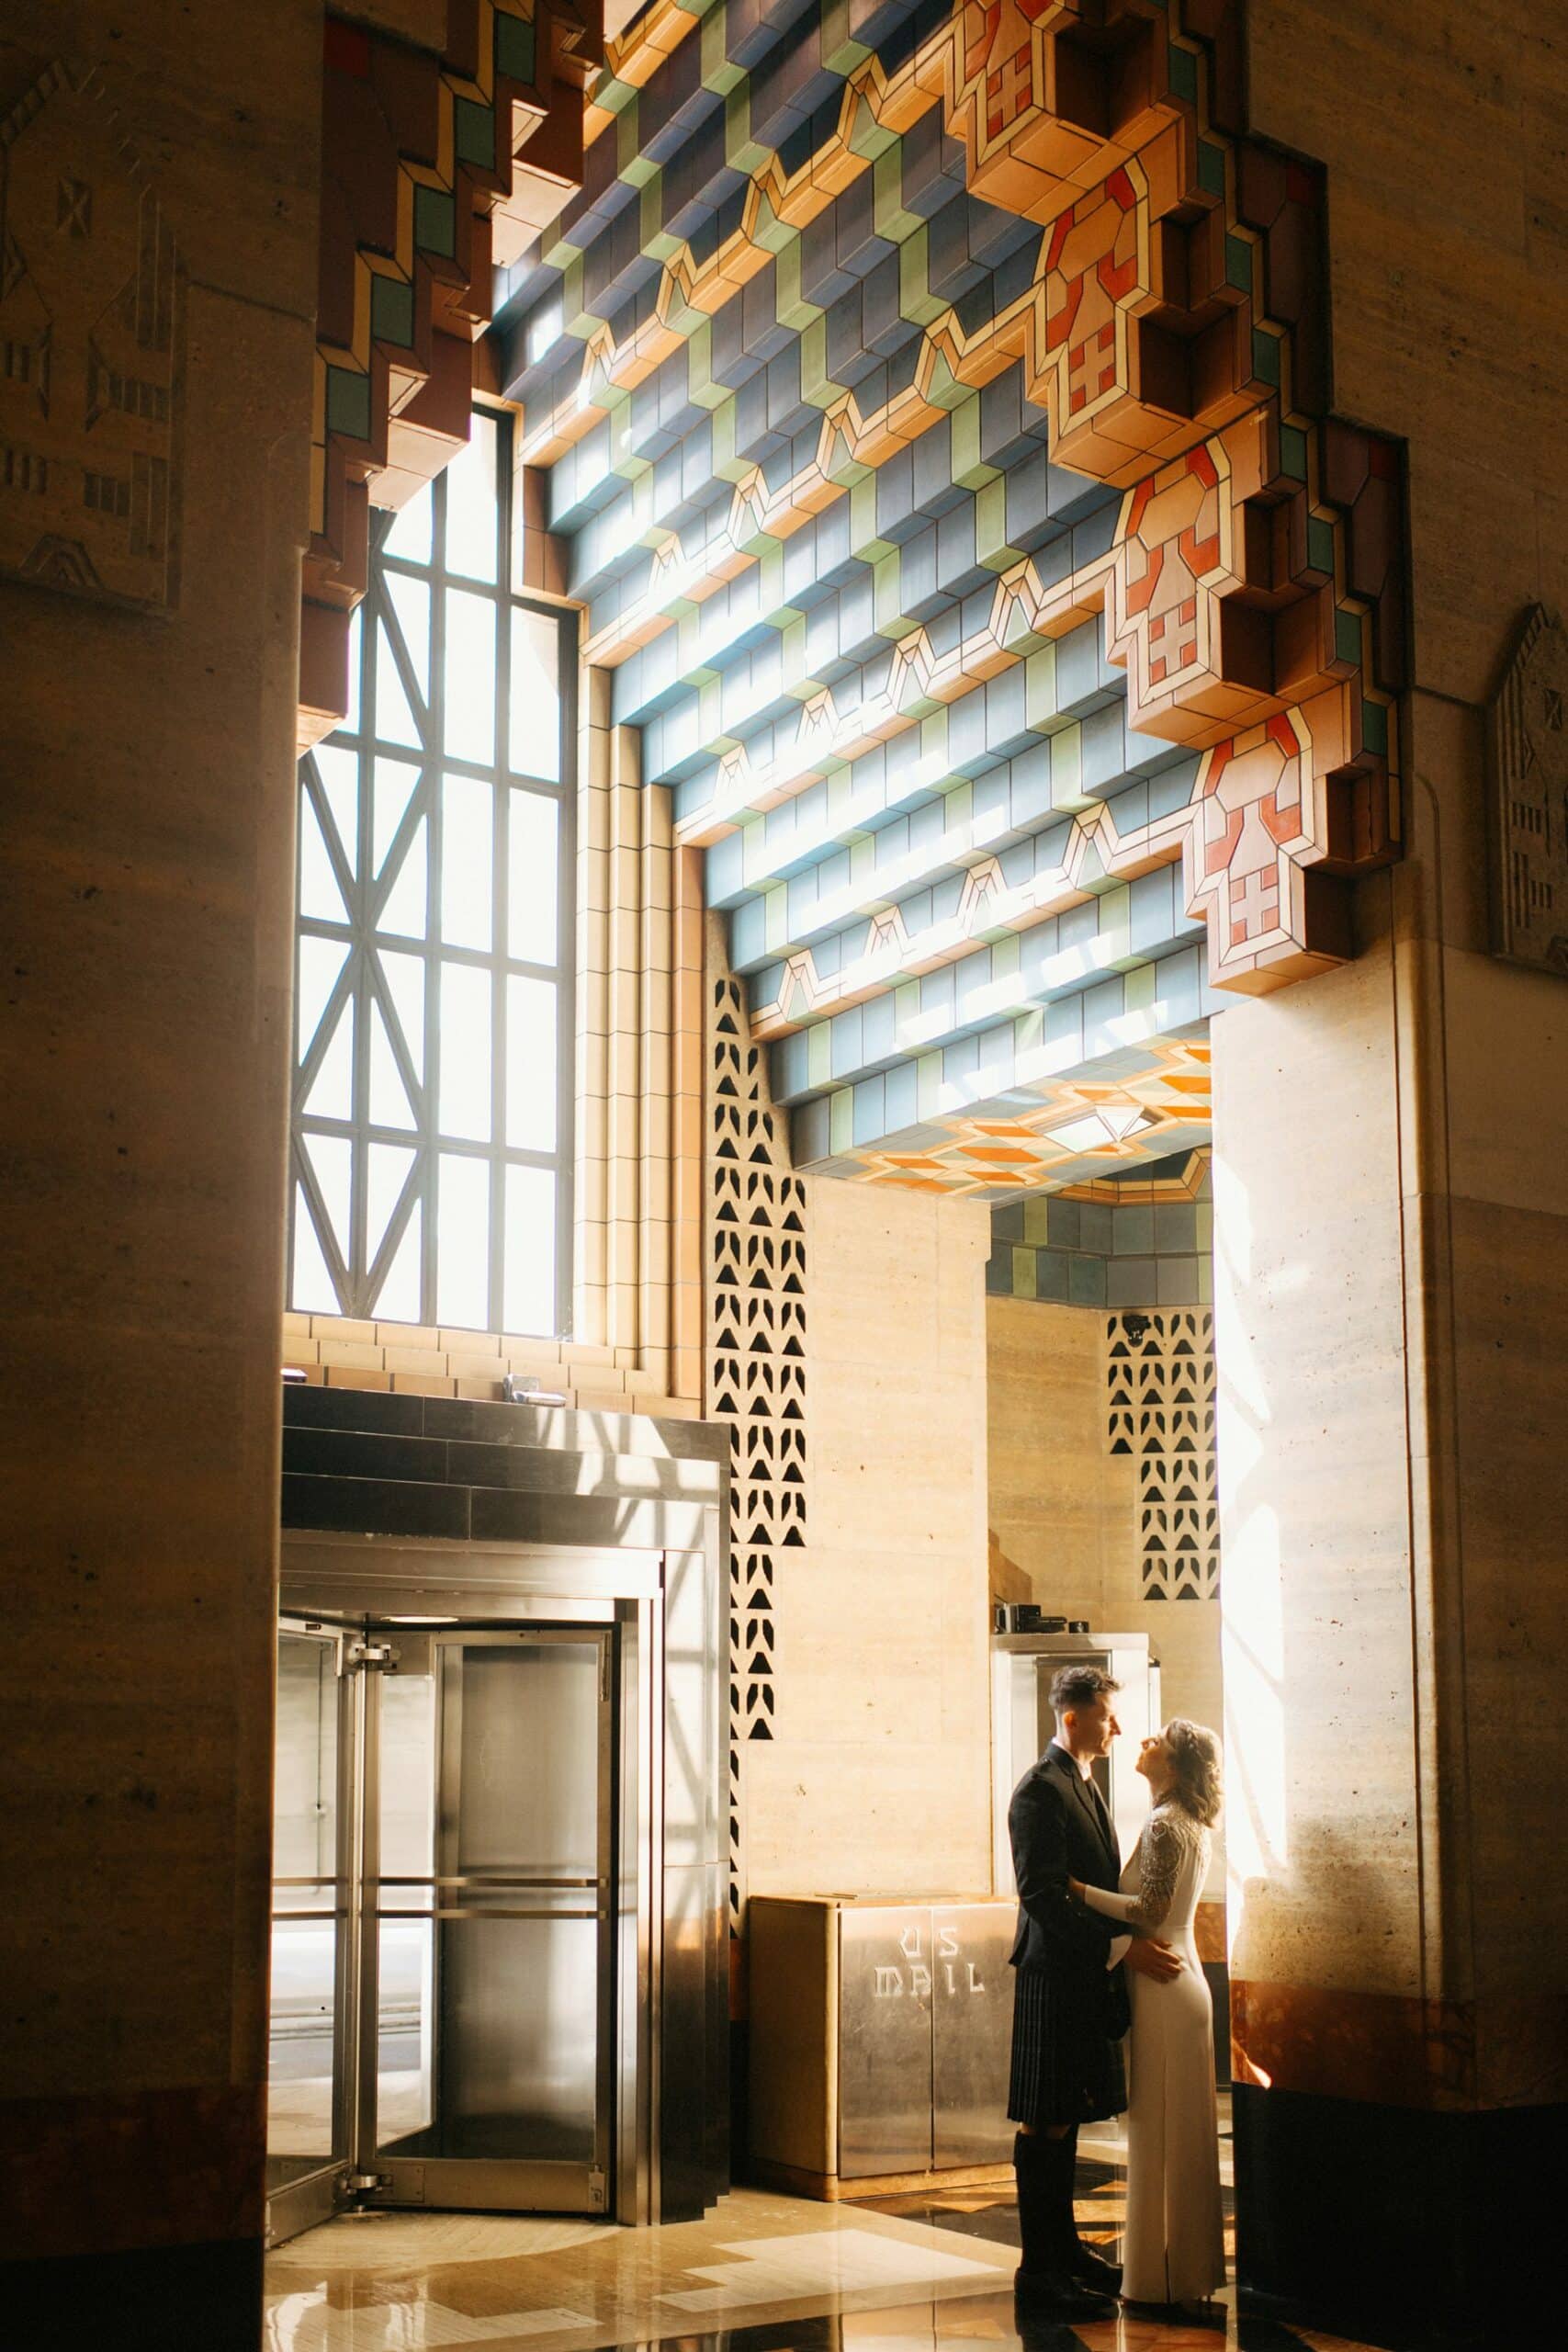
(136, 2172)
(149, 2300)
(1359, 2207)
(1402, 2051)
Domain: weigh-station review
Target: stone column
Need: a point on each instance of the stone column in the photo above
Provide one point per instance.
(159, 183)
(1391, 1286)
(1392, 1273)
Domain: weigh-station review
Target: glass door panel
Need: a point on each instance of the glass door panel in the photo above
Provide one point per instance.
(520, 1834)
(306, 2122)
(405, 1972)
(493, 1918)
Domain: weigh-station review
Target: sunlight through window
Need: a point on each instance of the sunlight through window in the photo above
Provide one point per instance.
(432, 1126)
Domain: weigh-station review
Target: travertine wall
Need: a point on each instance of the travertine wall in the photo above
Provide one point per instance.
(1064, 1509)
(1391, 1257)
(148, 819)
(1420, 1273)
(876, 1778)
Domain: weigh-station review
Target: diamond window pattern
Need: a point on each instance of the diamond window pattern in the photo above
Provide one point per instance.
(432, 1128)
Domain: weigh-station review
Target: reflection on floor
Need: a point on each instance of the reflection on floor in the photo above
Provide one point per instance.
(1100, 2198)
(385, 2282)
(762, 2273)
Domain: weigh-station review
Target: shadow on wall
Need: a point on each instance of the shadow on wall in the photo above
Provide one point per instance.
(1281, 1918)
(1006, 1579)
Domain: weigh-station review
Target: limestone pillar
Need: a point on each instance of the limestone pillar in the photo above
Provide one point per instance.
(160, 185)
(1391, 1179)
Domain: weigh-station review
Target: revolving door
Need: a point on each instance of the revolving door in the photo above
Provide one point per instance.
(490, 1929)
(486, 1963)
(443, 1977)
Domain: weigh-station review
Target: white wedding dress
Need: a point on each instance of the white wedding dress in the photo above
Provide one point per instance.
(1174, 2248)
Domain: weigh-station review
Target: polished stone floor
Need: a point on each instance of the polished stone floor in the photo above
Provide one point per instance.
(761, 2273)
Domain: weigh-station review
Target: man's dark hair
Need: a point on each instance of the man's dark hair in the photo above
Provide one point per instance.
(1078, 1685)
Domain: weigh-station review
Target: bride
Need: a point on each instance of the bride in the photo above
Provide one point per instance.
(1174, 2248)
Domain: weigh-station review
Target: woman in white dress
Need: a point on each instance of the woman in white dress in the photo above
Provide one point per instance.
(1174, 2248)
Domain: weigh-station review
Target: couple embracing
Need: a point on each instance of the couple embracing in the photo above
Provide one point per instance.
(1101, 1949)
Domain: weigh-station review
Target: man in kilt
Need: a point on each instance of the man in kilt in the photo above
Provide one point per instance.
(1070, 2008)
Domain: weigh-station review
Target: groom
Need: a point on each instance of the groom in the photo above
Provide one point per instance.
(1070, 1995)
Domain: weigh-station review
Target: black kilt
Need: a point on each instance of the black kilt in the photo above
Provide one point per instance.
(1066, 2067)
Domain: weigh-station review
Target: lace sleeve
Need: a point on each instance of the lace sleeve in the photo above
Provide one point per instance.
(1161, 1851)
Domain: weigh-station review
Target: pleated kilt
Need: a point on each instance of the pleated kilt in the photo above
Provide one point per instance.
(1066, 2067)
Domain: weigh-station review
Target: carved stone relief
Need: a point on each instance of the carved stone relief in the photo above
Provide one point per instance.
(1530, 798)
(91, 346)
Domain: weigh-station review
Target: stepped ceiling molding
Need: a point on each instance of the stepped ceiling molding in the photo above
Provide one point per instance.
(435, 169)
(929, 407)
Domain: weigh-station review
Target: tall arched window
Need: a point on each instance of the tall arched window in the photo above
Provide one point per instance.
(432, 1144)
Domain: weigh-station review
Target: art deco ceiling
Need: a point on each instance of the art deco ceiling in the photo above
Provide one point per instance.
(909, 681)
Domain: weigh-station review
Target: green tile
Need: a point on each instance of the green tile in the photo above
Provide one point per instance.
(1023, 1273)
(392, 311)
(348, 403)
(1086, 1279)
(1134, 1231)
(1176, 1226)
(1064, 1222)
(1052, 1275)
(1037, 1221)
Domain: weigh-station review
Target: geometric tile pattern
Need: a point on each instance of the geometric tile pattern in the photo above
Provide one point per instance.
(757, 1372)
(1143, 1242)
(1160, 1404)
(932, 401)
(437, 168)
(993, 1121)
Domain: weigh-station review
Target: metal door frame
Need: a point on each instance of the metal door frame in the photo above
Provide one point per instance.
(654, 1569)
(470, 2183)
(298, 2204)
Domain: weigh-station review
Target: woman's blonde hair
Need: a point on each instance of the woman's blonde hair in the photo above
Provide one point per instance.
(1195, 1753)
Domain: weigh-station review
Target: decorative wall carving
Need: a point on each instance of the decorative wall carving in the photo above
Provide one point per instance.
(1528, 733)
(757, 1367)
(1160, 1368)
(91, 353)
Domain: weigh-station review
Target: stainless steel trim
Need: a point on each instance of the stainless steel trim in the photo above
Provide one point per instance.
(482, 2185)
(496, 1878)
(496, 1914)
(604, 1940)
(367, 2032)
(652, 1917)
(298, 2204)
(345, 1575)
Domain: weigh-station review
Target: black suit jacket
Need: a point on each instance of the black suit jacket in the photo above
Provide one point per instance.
(1060, 1829)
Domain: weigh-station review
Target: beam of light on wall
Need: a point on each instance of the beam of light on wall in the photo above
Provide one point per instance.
(1252, 1641)
(1252, 1661)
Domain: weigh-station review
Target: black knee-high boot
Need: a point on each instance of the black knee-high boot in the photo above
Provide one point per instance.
(1084, 2263)
(1039, 2204)
(1044, 2283)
